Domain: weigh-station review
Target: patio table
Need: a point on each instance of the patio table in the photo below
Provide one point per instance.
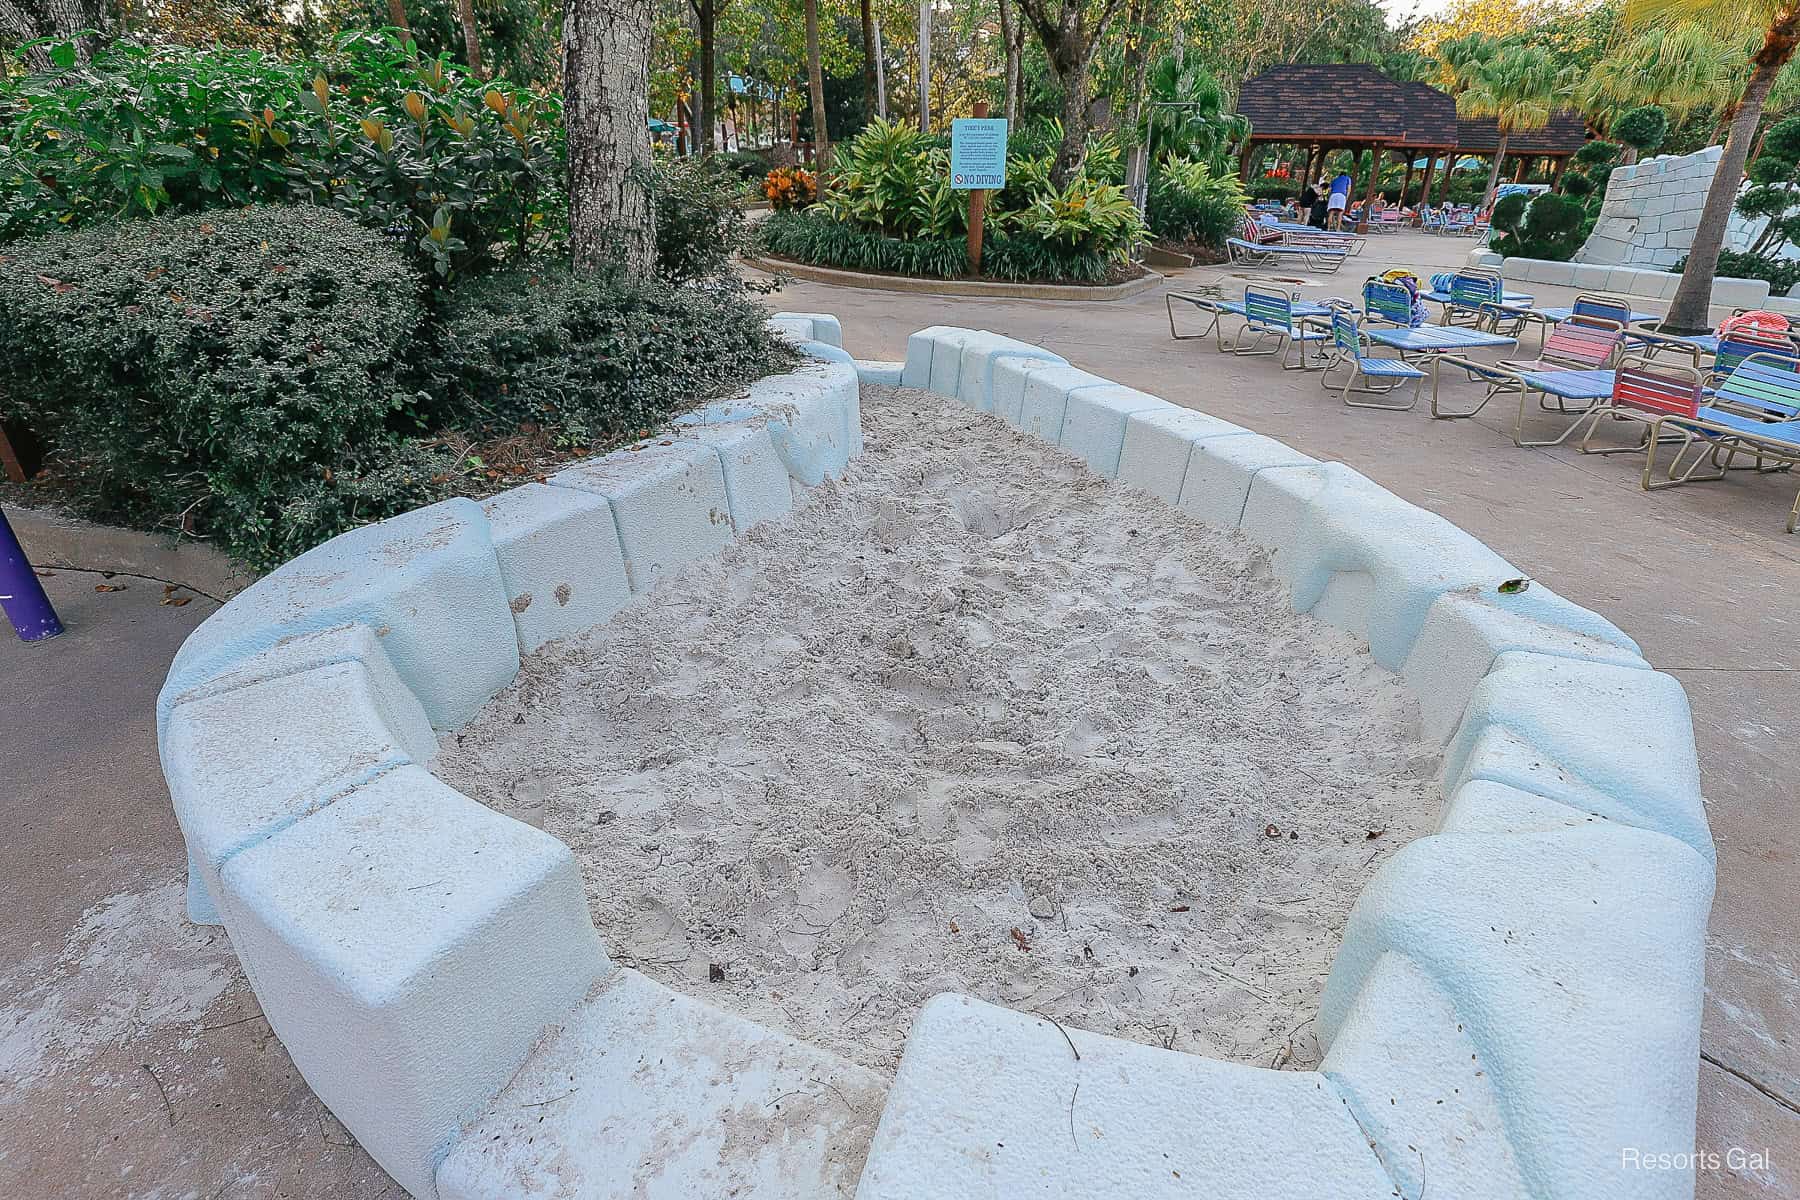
(1432, 340)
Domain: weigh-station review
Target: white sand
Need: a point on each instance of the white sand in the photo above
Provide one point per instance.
(971, 720)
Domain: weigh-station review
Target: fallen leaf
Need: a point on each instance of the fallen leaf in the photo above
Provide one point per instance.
(1020, 940)
(1272, 830)
(953, 928)
(43, 574)
(1375, 833)
(176, 601)
(1179, 908)
(1513, 586)
(109, 587)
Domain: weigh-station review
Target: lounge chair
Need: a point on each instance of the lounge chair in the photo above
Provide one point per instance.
(1266, 250)
(1572, 369)
(1386, 303)
(1671, 405)
(1479, 299)
(1270, 317)
(1351, 345)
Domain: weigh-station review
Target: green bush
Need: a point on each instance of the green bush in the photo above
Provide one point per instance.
(699, 225)
(813, 237)
(1782, 273)
(1643, 129)
(230, 374)
(1189, 204)
(1509, 212)
(1577, 184)
(591, 357)
(1551, 227)
(1597, 153)
(892, 184)
(465, 172)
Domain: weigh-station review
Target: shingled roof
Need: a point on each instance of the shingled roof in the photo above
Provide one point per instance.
(1341, 103)
(1565, 134)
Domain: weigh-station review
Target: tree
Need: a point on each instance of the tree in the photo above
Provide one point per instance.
(57, 21)
(871, 104)
(1689, 308)
(465, 11)
(1518, 87)
(606, 112)
(1012, 37)
(1679, 68)
(706, 23)
(1642, 130)
(815, 83)
(1070, 34)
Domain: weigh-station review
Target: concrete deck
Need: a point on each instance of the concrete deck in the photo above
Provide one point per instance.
(132, 1058)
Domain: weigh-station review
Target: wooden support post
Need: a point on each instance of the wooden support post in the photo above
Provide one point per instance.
(1443, 185)
(1244, 164)
(1406, 184)
(1431, 161)
(1562, 164)
(1375, 155)
(977, 209)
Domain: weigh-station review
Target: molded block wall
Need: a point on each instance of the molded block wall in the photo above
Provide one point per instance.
(1651, 211)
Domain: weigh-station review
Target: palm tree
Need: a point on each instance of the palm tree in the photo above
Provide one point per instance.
(1678, 68)
(1688, 310)
(1518, 87)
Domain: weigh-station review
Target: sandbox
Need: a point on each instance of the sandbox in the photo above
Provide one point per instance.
(1512, 1006)
(971, 720)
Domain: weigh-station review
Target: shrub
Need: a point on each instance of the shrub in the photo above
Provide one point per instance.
(788, 188)
(746, 165)
(1596, 153)
(699, 225)
(1509, 212)
(1577, 184)
(1550, 227)
(228, 374)
(1188, 203)
(1782, 273)
(813, 237)
(592, 356)
(464, 171)
(1643, 129)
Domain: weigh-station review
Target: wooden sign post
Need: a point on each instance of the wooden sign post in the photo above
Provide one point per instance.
(977, 164)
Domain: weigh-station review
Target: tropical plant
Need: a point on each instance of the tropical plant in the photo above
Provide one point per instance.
(1688, 308)
(1187, 113)
(1084, 216)
(1681, 68)
(463, 172)
(1546, 226)
(1774, 192)
(790, 187)
(1518, 87)
(1192, 204)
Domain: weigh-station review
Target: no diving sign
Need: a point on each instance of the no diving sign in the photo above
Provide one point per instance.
(977, 153)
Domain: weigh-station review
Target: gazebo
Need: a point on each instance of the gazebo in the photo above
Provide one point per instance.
(1347, 106)
(1558, 141)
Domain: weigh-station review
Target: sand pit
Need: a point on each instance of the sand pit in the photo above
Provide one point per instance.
(972, 720)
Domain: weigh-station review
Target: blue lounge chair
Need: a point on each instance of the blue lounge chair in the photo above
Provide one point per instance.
(1351, 346)
(1265, 250)
(1271, 317)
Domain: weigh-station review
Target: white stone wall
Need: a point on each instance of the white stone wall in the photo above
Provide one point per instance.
(1651, 211)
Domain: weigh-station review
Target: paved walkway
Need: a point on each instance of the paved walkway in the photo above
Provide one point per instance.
(133, 1061)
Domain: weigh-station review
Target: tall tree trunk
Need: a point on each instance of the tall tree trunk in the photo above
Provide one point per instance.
(1494, 174)
(924, 66)
(397, 14)
(606, 110)
(880, 74)
(815, 82)
(1137, 70)
(1689, 309)
(1072, 153)
(1012, 33)
(58, 21)
(465, 10)
(706, 17)
(869, 54)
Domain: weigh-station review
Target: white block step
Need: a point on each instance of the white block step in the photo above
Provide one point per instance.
(992, 1104)
(1158, 444)
(645, 1094)
(560, 556)
(669, 501)
(408, 947)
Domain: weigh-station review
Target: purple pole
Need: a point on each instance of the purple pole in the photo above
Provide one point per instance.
(21, 595)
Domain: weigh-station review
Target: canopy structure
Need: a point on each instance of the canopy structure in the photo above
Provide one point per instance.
(1351, 106)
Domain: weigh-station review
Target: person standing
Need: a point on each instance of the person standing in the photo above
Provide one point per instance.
(1340, 199)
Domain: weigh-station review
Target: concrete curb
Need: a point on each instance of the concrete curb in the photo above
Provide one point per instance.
(1514, 1007)
(1638, 282)
(958, 287)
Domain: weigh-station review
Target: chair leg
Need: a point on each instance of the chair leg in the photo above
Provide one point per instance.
(1169, 303)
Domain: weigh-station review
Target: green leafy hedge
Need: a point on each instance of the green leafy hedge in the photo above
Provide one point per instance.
(464, 172)
(231, 375)
(1547, 226)
(811, 237)
(1188, 203)
(593, 356)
